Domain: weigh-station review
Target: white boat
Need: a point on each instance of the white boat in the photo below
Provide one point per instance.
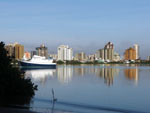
(38, 62)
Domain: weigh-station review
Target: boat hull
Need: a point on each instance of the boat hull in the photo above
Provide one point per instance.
(26, 65)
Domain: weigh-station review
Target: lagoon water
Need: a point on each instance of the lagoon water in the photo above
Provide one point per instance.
(92, 89)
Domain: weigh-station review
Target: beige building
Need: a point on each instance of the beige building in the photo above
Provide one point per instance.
(91, 58)
(15, 50)
(42, 51)
(136, 47)
(148, 58)
(80, 56)
(54, 56)
(10, 50)
(107, 53)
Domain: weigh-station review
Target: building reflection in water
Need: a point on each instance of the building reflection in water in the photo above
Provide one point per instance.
(40, 75)
(65, 73)
(108, 74)
(132, 74)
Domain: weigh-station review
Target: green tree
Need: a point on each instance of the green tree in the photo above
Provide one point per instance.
(60, 62)
(14, 87)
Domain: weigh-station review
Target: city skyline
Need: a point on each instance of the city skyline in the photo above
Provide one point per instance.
(84, 25)
(65, 53)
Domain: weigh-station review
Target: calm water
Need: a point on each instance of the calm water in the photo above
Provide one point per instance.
(92, 89)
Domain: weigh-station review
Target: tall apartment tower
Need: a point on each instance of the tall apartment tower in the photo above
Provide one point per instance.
(130, 54)
(109, 45)
(10, 50)
(81, 56)
(136, 47)
(19, 51)
(33, 53)
(107, 53)
(65, 53)
(42, 51)
(15, 50)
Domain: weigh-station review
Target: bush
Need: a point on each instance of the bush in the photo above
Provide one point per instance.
(73, 62)
(60, 62)
(14, 88)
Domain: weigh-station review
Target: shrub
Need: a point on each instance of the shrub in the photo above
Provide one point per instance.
(14, 87)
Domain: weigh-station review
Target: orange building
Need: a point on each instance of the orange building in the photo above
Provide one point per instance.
(19, 51)
(27, 55)
(130, 54)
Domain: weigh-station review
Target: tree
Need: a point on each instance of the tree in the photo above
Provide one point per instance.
(14, 87)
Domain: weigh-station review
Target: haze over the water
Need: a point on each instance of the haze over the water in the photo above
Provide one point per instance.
(85, 25)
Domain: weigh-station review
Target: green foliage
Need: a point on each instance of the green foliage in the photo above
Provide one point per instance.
(73, 62)
(60, 62)
(14, 88)
(88, 62)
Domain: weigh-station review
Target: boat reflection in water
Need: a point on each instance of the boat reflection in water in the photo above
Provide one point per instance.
(40, 75)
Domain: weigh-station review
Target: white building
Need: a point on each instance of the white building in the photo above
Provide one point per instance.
(116, 57)
(136, 47)
(65, 53)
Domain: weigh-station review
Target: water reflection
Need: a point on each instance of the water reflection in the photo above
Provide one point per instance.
(132, 74)
(108, 74)
(65, 73)
(105, 73)
(90, 84)
(40, 75)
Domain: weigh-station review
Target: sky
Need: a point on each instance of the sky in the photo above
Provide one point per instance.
(84, 25)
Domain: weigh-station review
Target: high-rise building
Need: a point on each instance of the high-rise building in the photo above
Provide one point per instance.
(42, 51)
(136, 47)
(81, 56)
(148, 58)
(109, 45)
(33, 53)
(19, 51)
(15, 50)
(65, 53)
(10, 50)
(107, 53)
(130, 54)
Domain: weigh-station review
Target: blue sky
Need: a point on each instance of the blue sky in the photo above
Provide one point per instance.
(85, 25)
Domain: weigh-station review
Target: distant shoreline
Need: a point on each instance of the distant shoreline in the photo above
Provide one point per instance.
(96, 63)
(15, 63)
